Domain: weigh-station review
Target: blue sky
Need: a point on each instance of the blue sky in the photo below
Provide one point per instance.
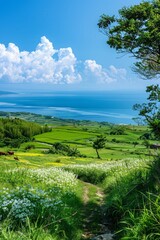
(56, 45)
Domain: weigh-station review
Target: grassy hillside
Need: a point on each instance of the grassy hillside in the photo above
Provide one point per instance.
(52, 195)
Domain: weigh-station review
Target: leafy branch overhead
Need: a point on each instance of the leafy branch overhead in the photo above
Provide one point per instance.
(151, 110)
(136, 31)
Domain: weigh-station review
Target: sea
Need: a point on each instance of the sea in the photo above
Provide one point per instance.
(109, 106)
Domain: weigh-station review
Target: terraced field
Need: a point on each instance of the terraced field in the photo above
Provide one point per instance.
(54, 196)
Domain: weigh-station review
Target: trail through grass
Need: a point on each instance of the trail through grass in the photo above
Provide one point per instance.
(94, 221)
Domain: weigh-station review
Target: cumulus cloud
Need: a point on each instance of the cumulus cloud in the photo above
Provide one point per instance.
(117, 73)
(48, 65)
(103, 75)
(41, 65)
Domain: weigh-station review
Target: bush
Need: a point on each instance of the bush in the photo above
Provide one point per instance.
(115, 140)
(117, 130)
(64, 149)
(146, 136)
(30, 146)
(23, 203)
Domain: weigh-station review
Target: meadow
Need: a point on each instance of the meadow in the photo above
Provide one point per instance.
(54, 196)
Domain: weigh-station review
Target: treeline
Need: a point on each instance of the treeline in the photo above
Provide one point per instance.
(15, 131)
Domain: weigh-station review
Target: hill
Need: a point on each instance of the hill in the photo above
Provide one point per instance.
(53, 186)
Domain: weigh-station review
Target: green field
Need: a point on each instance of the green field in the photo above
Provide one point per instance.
(55, 196)
(117, 146)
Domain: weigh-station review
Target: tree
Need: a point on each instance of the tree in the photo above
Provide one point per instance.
(99, 143)
(15, 131)
(151, 111)
(138, 120)
(146, 143)
(136, 31)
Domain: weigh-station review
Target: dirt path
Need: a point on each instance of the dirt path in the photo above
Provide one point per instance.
(94, 223)
(85, 195)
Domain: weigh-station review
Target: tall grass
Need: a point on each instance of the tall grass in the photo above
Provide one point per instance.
(144, 223)
(98, 173)
(30, 232)
(133, 202)
(46, 203)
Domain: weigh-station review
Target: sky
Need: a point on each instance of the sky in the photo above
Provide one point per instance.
(55, 45)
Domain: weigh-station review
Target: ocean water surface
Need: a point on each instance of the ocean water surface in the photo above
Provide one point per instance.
(115, 107)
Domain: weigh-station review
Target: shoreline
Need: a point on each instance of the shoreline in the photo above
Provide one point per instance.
(29, 115)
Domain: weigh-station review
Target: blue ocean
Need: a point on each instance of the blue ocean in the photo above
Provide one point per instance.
(114, 107)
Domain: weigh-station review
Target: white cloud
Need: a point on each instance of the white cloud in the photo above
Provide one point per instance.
(104, 75)
(49, 65)
(38, 66)
(119, 73)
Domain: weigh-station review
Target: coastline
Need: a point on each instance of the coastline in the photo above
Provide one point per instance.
(114, 107)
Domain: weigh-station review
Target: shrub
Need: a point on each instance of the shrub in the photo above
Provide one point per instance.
(30, 146)
(22, 203)
(115, 140)
(117, 130)
(64, 149)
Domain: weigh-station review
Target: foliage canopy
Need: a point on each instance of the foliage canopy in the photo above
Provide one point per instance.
(136, 31)
(15, 131)
(151, 110)
(99, 143)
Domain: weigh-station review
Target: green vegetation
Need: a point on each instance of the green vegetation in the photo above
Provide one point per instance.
(136, 31)
(52, 184)
(99, 143)
(150, 112)
(133, 203)
(64, 149)
(15, 131)
(39, 201)
(56, 187)
(133, 197)
(117, 147)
